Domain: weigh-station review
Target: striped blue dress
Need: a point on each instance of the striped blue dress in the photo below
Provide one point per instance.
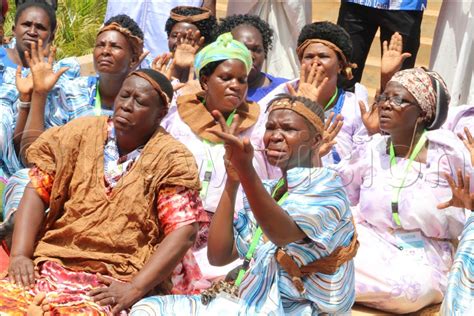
(318, 204)
(459, 298)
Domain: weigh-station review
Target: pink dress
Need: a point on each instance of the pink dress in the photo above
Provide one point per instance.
(393, 275)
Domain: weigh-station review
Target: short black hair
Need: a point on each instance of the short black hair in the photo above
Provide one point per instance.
(330, 32)
(310, 104)
(206, 26)
(38, 4)
(231, 22)
(126, 22)
(161, 80)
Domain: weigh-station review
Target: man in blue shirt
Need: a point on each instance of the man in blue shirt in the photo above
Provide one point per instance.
(362, 18)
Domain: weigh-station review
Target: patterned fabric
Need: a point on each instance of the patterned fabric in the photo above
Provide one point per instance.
(114, 165)
(459, 299)
(317, 202)
(417, 5)
(43, 183)
(79, 97)
(67, 292)
(225, 47)
(418, 82)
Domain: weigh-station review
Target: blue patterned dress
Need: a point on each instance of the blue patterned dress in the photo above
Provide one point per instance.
(459, 298)
(318, 204)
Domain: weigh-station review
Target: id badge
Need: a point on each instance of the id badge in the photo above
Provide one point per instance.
(412, 244)
(224, 304)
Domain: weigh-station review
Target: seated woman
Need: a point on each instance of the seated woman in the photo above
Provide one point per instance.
(222, 68)
(34, 21)
(118, 50)
(257, 35)
(459, 298)
(123, 205)
(293, 228)
(327, 48)
(397, 180)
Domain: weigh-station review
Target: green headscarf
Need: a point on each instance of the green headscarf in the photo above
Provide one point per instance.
(225, 47)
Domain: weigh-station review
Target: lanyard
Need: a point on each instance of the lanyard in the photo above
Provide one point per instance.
(332, 99)
(256, 237)
(209, 163)
(97, 101)
(393, 163)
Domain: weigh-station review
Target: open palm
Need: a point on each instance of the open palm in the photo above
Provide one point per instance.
(44, 77)
(187, 48)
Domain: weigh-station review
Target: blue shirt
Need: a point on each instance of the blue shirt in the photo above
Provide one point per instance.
(413, 5)
(255, 94)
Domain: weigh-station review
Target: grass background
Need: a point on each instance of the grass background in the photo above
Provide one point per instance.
(78, 23)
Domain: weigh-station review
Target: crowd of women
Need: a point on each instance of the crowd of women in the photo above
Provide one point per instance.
(193, 183)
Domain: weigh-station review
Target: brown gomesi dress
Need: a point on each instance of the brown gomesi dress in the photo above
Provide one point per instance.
(88, 230)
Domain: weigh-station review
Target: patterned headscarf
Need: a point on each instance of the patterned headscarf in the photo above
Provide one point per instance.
(225, 47)
(418, 82)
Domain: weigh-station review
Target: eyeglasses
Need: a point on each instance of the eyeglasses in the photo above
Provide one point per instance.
(396, 101)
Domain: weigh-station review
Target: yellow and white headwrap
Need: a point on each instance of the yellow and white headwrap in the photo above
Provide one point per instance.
(225, 47)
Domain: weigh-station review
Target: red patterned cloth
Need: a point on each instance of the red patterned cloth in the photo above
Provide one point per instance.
(66, 291)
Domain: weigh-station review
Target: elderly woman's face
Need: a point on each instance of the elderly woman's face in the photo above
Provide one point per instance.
(33, 24)
(226, 88)
(138, 108)
(398, 108)
(325, 58)
(288, 140)
(112, 53)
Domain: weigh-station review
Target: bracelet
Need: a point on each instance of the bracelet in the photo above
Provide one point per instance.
(24, 105)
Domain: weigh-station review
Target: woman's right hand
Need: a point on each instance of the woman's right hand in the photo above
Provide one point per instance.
(468, 142)
(44, 78)
(21, 271)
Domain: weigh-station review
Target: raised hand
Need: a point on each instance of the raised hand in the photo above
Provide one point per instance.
(44, 78)
(24, 85)
(331, 129)
(162, 64)
(310, 84)
(238, 152)
(468, 142)
(392, 57)
(186, 48)
(370, 118)
(461, 195)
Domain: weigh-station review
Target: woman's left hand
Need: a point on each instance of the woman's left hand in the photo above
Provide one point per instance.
(238, 152)
(119, 295)
(462, 197)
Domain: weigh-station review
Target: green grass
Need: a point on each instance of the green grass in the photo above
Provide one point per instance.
(78, 23)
